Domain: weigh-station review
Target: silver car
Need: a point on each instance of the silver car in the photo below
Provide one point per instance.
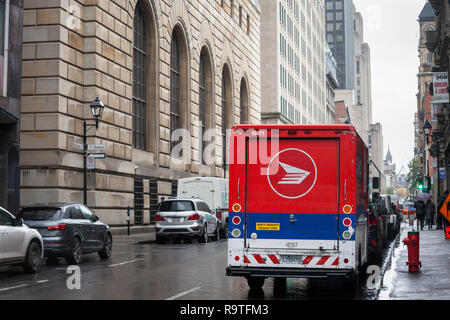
(185, 218)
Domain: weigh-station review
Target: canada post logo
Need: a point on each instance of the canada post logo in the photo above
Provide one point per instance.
(292, 173)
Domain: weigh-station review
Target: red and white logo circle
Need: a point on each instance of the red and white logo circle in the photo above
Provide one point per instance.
(292, 173)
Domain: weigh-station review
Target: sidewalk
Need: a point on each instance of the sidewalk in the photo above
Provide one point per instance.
(124, 239)
(433, 281)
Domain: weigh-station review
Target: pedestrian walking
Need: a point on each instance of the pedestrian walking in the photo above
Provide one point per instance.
(430, 209)
(420, 213)
(445, 222)
(440, 219)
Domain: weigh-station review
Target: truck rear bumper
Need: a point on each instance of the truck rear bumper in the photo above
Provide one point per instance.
(289, 272)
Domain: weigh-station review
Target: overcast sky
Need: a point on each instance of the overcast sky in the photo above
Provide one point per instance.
(392, 31)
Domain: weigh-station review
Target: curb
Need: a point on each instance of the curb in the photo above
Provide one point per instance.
(134, 230)
(387, 263)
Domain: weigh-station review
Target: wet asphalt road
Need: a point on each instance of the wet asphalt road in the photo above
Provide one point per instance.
(191, 271)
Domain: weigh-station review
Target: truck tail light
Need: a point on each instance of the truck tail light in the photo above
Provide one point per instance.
(219, 215)
(195, 216)
(58, 227)
(236, 220)
(347, 222)
(159, 218)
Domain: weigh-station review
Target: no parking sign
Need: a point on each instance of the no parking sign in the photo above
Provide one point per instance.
(90, 162)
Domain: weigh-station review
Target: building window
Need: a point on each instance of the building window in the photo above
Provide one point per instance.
(139, 103)
(174, 87)
(240, 16)
(206, 102)
(226, 110)
(202, 106)
(243, 103)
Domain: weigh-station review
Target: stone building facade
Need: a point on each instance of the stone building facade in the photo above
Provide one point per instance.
(437, 41)
(11, 17)
(161, 68)
(424, 97)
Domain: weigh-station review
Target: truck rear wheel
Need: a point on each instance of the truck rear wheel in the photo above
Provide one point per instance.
(352, 283)
(255, 283)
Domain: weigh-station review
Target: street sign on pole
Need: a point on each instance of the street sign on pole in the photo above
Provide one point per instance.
(98, 155)
(90, 162)
(97, 147)
(78, 145)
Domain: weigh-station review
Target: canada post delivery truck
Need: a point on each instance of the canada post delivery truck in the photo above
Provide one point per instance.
(298, 199)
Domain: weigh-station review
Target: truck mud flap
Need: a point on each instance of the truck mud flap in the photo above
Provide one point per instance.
(289, 273)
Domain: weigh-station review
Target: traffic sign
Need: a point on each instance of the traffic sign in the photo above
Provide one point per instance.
(90, 162)
(97, 147)
(98, 155)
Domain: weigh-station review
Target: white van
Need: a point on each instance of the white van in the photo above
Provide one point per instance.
(214, 191)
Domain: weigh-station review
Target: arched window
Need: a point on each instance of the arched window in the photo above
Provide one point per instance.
(139, 102)
(179, 91)
(429, 59)
(174, 87)
(202, 105)
(206, 101)
(226, 110)
(243, 103)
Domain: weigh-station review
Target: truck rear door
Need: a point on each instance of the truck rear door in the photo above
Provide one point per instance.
(292, 195)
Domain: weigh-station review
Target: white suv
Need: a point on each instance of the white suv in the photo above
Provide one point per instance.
(186, 218)
(19, 245)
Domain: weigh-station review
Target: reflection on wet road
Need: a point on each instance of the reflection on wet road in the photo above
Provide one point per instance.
(191, 271)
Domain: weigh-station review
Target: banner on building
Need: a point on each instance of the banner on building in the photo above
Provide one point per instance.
(442, 174)
(433, 163)
(440, 85)
(435, 109)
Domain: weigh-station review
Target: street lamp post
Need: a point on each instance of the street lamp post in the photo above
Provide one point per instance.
(427, 130)
(97, 110)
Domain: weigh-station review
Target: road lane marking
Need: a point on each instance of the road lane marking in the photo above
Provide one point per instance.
(183, 293)
(11, 288)
(126, 262)
(42, 281)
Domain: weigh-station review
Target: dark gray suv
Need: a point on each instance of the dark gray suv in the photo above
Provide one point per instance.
(68, 230)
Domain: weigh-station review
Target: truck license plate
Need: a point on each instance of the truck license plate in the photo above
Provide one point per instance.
(292, 259)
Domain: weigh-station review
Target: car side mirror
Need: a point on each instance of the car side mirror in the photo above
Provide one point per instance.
(18, 222)
(96, 218)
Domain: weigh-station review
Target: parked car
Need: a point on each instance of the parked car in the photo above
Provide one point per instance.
(19, 245)
(376, 233)
(214, 191)
(68, 230)
(186, 218)
(393, 217)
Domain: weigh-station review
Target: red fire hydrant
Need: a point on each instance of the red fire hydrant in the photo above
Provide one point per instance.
(413, 251)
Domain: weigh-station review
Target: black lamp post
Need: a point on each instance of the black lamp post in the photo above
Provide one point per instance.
(97, 110)
(426, 130)
(437, 140)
